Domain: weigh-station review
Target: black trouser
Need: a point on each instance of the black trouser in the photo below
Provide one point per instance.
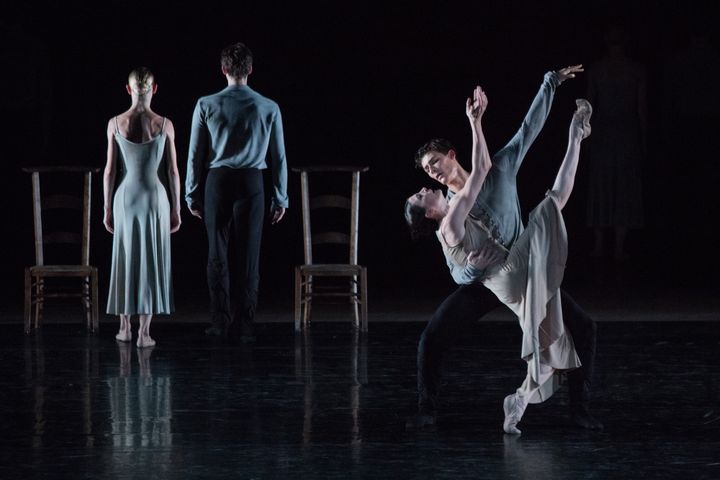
(467, 305)
(234, 209)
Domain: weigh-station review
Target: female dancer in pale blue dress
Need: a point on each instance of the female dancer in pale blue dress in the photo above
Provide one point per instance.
(139, 214)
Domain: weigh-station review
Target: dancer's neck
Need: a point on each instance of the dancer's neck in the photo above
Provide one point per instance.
(458, 179)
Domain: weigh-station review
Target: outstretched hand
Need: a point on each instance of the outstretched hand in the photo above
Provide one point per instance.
(569, 72)
(475, 106)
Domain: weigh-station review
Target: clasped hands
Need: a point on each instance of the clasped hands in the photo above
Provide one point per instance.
(488, 255)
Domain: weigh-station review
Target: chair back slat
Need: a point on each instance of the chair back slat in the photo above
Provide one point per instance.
(336, 238)
(330, 201)
(62, 237)
(62, 201)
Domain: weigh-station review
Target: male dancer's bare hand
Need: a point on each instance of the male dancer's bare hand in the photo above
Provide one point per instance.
(487, 255)
(569, 72)
(196, 212)
(277, 214)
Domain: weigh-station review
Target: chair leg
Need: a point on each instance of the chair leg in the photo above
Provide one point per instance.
(95, 302)
(298, 297)
(355, 299)
(85, 299)
(27, 314)
(39, 300)
(364, 299)
(308, 300)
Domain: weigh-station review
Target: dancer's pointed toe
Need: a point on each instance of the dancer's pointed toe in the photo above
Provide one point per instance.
(514, 407)
(581, 117)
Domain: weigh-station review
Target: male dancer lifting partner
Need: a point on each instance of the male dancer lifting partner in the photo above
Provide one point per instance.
(498, 207)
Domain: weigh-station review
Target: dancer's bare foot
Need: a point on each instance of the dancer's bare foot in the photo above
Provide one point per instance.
(124, 335)
(143, 333)
(580, 124)
(145, 341)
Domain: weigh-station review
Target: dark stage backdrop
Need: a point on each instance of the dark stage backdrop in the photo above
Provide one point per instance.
(366, 83)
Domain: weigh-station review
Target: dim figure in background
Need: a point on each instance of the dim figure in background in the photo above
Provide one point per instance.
(231, 135)
(140, 213)
(616, 89)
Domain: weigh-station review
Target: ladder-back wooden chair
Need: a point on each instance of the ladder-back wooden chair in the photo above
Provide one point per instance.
(37, 290)
(315, 209)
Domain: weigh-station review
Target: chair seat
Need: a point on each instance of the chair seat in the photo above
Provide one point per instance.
(331, 269)
(62, 270)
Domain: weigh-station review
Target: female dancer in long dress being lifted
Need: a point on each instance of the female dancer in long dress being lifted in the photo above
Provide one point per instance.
(527, 277)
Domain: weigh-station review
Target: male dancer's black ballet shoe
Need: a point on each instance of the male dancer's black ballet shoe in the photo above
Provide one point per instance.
(580, 417)
(243, 333)
(215, 331)
(581, 117)
(421, 421)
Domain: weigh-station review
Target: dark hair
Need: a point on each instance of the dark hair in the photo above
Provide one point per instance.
(237, 60)
(435, 145)
(420, 226)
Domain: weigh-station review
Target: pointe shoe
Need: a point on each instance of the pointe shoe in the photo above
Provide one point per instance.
(514, 407)
(124, 337)
(143, 342)
(581, 417)
(581, 117)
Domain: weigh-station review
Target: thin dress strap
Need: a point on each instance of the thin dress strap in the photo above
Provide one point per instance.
(162, 128)
(117, 128)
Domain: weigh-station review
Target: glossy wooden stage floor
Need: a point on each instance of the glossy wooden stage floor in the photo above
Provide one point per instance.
(331, 404)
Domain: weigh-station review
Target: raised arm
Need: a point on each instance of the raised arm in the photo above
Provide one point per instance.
(173, 177)
(109, 176)
(511, 155)
(453, 225)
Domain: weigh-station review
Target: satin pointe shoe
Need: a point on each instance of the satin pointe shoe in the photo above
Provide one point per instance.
(581, 117)
(514, 407)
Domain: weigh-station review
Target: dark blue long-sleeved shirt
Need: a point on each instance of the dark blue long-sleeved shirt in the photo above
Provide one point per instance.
(237, 128)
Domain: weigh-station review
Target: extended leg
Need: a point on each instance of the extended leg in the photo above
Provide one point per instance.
(451, 320)
(584, 331)
(579, 130)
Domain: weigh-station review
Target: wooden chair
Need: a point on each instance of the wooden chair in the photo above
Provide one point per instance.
(36, 289)
(315, 206)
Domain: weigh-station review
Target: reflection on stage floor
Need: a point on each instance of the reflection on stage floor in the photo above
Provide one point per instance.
(331, 403)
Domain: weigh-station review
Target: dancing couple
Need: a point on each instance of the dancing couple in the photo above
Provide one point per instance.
(496, 260)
